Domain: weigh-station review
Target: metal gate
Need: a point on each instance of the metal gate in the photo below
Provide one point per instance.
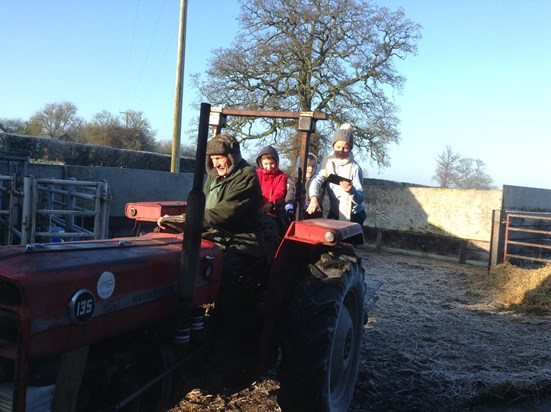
(8, 199)
(53, 210)
(527, 236)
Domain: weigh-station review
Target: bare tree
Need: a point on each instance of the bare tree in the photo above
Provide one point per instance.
(17, 126)
(104, 129)
(455, 171)
(314, 55)
(472, 175)
(165, 147)
(106, 119)
(138, 133)
(131, 131)
(55, 120)
(447, 162)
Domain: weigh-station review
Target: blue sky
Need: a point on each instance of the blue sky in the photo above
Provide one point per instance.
(480, 82)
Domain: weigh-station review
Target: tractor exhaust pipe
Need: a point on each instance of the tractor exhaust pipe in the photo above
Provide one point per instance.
(191, 244)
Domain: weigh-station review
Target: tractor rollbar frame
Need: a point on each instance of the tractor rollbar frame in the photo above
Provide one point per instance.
(306, 126)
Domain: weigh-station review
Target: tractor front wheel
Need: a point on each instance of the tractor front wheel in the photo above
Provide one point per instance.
(321, 343)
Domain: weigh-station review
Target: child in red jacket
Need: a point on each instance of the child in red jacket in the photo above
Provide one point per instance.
(274, 188)
(272, 181)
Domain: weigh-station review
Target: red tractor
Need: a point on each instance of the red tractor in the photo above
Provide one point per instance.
(90, 325)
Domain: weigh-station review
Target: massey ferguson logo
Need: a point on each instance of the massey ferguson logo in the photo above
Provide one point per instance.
(81, 307)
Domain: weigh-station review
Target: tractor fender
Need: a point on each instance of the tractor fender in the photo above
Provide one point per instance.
(328, 232)
(304, 242)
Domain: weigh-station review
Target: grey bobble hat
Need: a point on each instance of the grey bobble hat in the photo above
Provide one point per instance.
(344, 134)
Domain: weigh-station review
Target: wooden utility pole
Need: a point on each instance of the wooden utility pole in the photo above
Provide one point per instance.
(177, 123)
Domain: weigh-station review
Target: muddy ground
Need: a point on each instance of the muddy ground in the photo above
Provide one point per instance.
(434, 342)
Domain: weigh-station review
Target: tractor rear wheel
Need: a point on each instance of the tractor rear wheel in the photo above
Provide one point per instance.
(321, 343)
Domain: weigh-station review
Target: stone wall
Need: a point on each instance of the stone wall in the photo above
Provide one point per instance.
(454, 222)
(461, 213)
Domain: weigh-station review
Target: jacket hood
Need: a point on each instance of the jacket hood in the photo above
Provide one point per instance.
(270, 151)
(311, 156)
(225, 145)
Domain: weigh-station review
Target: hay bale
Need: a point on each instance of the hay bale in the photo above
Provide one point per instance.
(519, 289)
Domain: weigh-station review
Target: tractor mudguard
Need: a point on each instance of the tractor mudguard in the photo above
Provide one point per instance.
(304, 242)
(328, 232)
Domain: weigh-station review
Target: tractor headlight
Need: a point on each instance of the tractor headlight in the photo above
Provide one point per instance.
(329, 237)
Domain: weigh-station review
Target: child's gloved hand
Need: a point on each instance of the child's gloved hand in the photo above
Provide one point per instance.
(269, 207)
(291, 215)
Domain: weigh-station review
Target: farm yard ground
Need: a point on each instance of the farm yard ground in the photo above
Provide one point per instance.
(436, 340)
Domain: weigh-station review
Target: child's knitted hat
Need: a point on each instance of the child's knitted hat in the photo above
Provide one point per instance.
(344, 134)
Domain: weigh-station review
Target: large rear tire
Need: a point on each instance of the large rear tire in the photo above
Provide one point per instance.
(321, 343)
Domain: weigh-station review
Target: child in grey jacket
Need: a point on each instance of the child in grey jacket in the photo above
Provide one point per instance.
(344, 180)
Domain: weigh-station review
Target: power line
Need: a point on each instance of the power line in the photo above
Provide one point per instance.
(148, 51)
(131, 52)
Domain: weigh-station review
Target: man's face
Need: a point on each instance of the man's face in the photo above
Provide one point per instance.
(341, 149)
(221, 163)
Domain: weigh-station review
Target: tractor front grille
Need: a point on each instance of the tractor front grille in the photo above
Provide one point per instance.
(9, 294)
